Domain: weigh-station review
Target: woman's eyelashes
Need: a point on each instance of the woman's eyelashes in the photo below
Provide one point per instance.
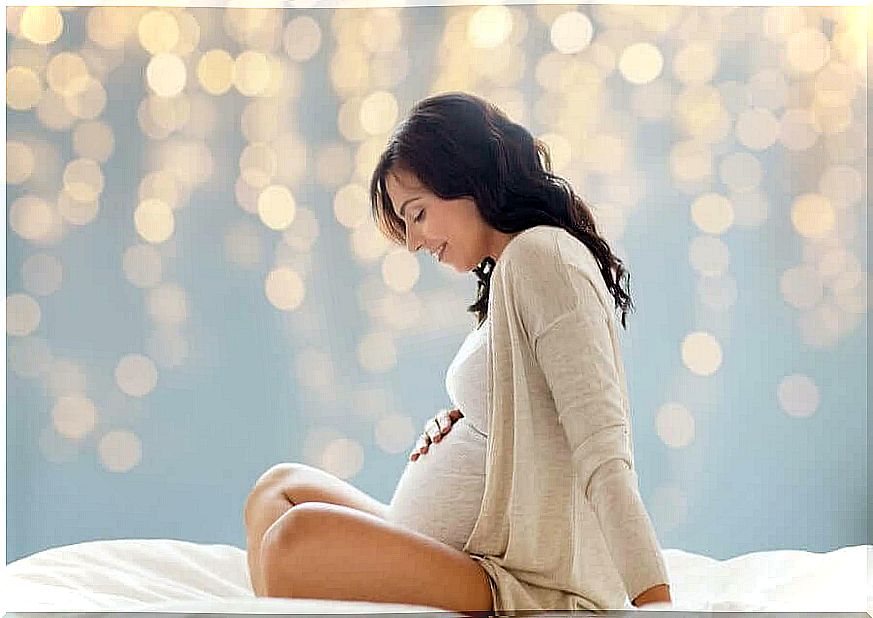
(419, 216)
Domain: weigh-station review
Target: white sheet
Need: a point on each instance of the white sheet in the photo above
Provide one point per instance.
(171, 575)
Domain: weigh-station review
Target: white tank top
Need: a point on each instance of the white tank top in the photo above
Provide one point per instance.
(440, 493)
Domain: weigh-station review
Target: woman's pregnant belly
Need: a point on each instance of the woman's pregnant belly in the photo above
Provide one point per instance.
(440, 494)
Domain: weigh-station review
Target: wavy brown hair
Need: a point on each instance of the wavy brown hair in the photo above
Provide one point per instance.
(459, 145)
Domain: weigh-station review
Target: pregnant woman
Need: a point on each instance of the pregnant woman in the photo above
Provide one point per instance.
(531, 500)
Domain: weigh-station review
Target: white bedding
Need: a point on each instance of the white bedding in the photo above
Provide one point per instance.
(179, 576)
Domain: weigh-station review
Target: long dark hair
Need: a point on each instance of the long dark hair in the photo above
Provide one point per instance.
(459, 145)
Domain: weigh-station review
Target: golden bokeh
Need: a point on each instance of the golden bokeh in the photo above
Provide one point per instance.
(394, 433)
(400, 270)
(348, 120)
(571, 32)
(166, 74)
(351, 205)
(23, 315)
(74, 416)
(158, 31)
(343, 457)
(701, 114)
(276, 207)
(797, 129)
(160, 185)
(215, 71)
(41, 24)
(806, 51)
(136, 375)
(690, 161)
(301, 38)
(489, 26)
(641, 63)
(31, 217)
(695, 63)
(701, 353)
(190, 161)
(349, 71)
(812, 215)
(258, 164)
(19, 162)
(83, 180)
(798, 395)
(284, 289)
(109, 27)
(154, 220)
(366, 158)
(712, 213)
(843, 186)
(251, 73)
(120, 450)
(262, 120)
(674, 424)
(67, 74)
(52, 111)
(77, 212)
(368, 243)
(380, 29)
(23, 88)
(379, 112)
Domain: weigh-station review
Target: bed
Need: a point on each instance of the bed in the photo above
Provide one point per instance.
(170, 575)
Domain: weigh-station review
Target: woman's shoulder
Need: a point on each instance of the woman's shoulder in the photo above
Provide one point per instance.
(548, 272)
(544, 249)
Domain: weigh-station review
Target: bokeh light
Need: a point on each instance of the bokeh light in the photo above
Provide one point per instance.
(701, 353)
(41, 24)
(798, 395)
(674, 424)
(284, 289)
(154, 220)
(74, 416)
(136, 375)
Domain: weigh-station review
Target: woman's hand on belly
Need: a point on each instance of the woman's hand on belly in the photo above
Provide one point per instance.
(434, 431)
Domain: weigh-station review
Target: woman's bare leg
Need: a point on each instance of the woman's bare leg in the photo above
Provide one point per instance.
(326, 551)
(284, 486)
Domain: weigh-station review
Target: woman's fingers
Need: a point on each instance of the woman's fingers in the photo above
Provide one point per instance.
(434, 427)
(434, 431)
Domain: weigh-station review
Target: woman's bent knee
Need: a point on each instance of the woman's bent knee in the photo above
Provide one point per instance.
(271, 484)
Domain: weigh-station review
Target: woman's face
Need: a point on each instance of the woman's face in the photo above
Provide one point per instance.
(432, 222)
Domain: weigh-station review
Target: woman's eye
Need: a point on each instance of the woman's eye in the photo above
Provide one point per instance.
(419, 216)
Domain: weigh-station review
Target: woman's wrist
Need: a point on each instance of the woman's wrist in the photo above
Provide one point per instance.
(655, 594)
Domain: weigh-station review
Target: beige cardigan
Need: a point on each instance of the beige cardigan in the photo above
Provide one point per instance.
(562, 524)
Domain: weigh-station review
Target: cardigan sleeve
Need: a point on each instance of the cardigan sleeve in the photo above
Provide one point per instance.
(576, 355)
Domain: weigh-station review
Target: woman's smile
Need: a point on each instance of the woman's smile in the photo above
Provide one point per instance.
(442, 252)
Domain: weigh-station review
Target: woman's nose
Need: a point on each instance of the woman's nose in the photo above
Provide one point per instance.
(412, 244)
